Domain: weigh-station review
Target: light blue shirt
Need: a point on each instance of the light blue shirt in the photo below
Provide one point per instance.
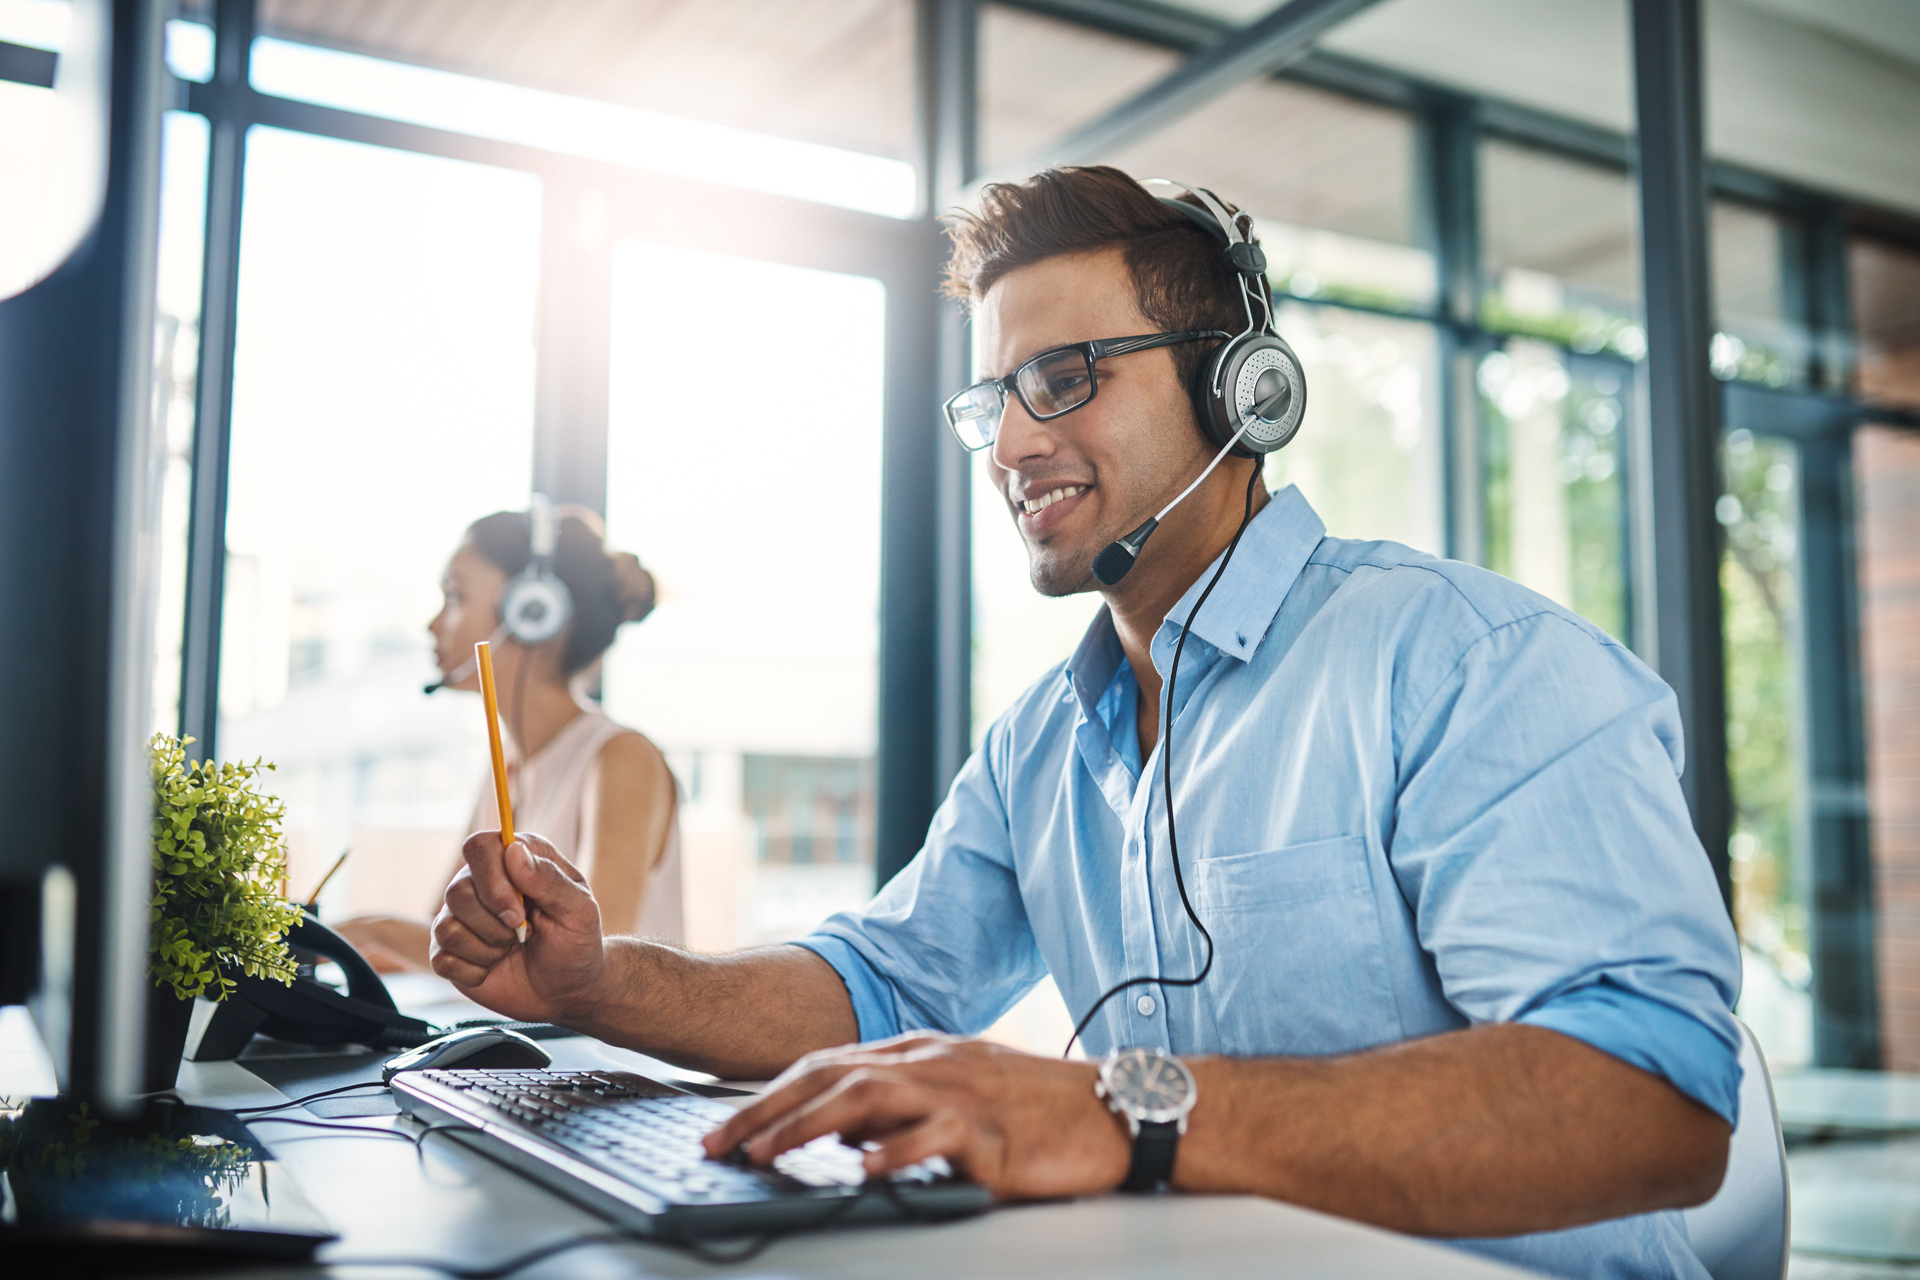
(1411, 796)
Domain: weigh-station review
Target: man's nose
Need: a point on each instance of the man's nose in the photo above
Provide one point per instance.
(1020, 437)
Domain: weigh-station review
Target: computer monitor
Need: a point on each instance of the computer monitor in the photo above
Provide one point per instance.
(77, 551)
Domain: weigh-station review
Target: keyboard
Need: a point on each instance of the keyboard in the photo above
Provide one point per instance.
(628, 1148)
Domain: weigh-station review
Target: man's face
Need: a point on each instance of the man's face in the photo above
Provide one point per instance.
(1116, 459)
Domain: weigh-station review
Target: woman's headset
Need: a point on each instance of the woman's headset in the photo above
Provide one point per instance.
(536, 605)
(1254, 379)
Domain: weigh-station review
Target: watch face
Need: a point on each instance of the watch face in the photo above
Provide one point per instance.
(1150, 1084)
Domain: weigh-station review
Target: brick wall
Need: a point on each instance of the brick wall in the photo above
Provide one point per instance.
(1887, 465)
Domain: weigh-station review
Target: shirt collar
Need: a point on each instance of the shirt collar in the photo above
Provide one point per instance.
(1271, 555)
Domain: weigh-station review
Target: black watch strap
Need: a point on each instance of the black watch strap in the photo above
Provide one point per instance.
(1153, 1151)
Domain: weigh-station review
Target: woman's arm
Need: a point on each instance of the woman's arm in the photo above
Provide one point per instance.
(628, 815)
(391, 944)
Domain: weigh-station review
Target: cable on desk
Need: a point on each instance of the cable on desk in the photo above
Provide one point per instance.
(322, 1124)
(300, 1102)
(420, 1139)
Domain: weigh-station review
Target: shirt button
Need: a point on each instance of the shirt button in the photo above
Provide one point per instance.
(1145, 1005)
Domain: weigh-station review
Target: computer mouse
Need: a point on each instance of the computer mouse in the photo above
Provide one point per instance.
(475, 1049)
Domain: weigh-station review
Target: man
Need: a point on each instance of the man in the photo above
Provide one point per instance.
(1470, 975)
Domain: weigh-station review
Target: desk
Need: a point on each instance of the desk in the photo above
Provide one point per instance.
(458, 1206)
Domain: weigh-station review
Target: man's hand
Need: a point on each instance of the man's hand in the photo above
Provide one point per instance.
(552, 976)
(1023, 1127)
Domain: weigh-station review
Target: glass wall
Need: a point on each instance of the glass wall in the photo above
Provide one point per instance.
(1553, 442)
(386, 313)
(1557, 240)
(755, 501)
(1887, 489)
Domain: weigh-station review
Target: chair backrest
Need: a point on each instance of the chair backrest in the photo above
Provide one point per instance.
(1741, 1234)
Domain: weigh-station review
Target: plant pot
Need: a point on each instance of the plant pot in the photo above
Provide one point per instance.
(168, 1017)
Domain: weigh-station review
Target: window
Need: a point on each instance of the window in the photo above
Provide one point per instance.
(751, 489)
(1759, 339)
(1557, 239)
(176, 362)
(667, 141)
(1553, 439)
(1368, 453)
(834, 72)
(1329, 179)
(1886, 302)
(386, 311)
(1758, 509)
(1887, 488)
(1041, 78)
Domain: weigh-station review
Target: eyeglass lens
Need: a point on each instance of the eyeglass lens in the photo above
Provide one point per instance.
(1056, 382)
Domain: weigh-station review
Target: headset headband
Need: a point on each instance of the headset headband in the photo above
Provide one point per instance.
(541, 533)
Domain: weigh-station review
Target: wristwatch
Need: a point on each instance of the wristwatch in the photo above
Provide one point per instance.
(1153, 1092)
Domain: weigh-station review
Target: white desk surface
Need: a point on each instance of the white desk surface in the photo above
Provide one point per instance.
(457, 1206)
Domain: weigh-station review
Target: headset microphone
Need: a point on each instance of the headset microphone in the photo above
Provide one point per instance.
(466, 668)
(1112, 564)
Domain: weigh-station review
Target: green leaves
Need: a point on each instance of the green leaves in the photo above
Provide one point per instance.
(219, 860)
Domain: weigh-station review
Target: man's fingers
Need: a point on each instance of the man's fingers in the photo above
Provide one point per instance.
(452, 937)
(865, 1101)
(486, 866)
(463, 905)
(461, 973)
(771, 1106)
(944, 1133)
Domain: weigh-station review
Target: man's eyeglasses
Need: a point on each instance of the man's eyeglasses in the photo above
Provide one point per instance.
(1052, 383)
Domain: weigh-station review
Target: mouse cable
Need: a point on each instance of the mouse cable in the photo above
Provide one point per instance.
(1166, 759)
(699, 1250)
(298, 1102)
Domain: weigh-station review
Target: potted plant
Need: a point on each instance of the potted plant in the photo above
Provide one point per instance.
(219, 866)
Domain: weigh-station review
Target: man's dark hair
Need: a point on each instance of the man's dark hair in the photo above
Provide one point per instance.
(1180, 273)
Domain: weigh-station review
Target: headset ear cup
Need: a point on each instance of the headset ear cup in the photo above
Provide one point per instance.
(1258, 368)
(536, 607)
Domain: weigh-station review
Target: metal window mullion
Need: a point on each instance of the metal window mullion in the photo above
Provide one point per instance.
(1448, 203)
(1676, 530)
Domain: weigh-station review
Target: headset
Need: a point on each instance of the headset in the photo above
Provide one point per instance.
(536, 605)
(1250, 394)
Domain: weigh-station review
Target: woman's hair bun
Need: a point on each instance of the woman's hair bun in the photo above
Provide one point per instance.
(636, 586)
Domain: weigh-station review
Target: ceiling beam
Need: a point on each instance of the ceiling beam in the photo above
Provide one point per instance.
(1239, 55)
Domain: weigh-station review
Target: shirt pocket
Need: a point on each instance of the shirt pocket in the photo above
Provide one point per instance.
(1299, 966)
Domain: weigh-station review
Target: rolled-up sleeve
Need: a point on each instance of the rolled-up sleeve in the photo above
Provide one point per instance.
(946, 945)
(1543, 841)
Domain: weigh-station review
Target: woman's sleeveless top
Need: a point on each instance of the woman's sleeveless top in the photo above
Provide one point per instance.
(549, 794)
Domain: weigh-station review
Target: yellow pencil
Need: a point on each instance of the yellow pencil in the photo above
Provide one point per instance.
(483, 654)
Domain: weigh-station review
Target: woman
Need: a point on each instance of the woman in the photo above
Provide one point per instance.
(601, 793)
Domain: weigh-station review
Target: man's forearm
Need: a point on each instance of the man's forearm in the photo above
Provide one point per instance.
(743, 1016)
(1492, 1131)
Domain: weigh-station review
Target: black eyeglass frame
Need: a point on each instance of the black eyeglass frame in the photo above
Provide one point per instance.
(1093, 351)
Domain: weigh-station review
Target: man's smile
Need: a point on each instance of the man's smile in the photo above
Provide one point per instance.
(1040, 511)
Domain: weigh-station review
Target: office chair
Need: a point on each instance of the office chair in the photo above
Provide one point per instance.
(1741, 1234)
